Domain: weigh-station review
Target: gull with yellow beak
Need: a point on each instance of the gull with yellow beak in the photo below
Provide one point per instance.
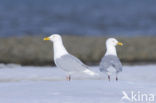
(66, 61)
(110, 63)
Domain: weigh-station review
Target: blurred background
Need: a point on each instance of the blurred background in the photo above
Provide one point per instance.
(84, 25)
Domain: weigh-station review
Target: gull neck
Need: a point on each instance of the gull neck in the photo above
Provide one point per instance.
(111, 50)
(59, 49)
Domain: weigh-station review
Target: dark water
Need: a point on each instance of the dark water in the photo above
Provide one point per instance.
(77, 17)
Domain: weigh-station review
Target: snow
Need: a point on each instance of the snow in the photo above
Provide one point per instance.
(30, 84)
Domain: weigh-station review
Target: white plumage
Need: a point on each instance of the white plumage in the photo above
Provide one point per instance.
(66, 61)
(110, 63)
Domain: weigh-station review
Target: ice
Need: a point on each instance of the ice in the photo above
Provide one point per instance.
(48, 85)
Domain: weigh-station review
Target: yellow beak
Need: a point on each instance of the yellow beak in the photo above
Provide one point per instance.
(119, 43)
(46, 38)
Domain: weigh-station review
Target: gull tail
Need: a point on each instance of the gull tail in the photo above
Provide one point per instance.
(89, 72)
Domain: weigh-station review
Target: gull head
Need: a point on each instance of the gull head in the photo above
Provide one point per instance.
(59, 49)
(113, 42)
(54, 38)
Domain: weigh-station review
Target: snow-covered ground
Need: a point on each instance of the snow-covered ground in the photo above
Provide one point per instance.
(48, 85)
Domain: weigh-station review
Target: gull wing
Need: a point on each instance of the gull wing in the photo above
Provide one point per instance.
(110, 60)
(70, 63)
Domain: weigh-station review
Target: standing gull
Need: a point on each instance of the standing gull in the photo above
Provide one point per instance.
(110, 63)
(66, 61)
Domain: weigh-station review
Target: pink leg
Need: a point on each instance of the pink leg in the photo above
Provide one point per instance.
(116, 78)
(68, 78)
(109, 77)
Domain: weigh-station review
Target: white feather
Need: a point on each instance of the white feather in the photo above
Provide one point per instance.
(89, 72)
